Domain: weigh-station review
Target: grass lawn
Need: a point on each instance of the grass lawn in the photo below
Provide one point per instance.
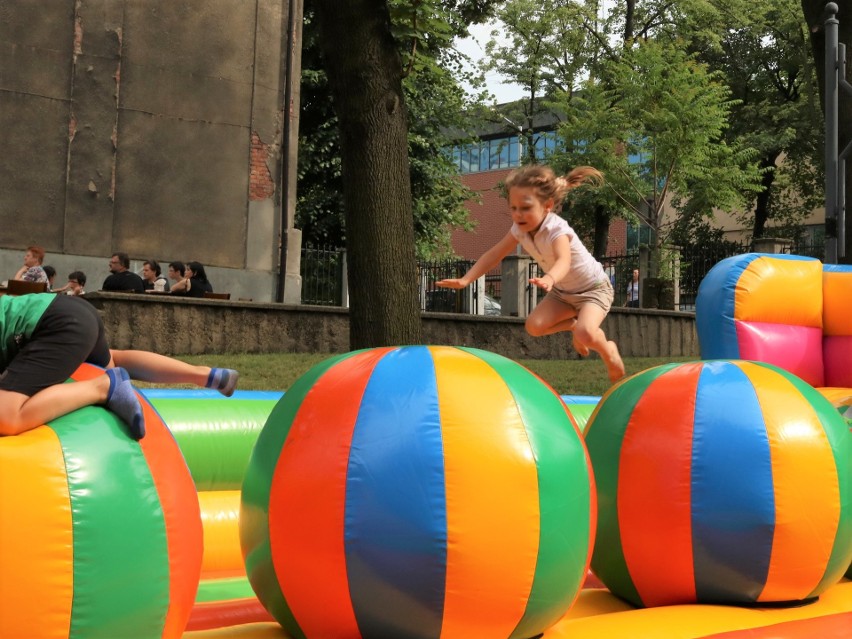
(278, 371)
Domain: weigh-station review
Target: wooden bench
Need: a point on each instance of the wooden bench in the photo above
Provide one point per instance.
(21, 287)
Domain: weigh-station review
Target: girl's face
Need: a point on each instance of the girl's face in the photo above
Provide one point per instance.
(528, 211)
(188, 272)
(30, 259)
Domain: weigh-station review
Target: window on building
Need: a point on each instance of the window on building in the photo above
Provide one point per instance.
(638, 235)
(487, 155)
(503, 152)
(546, 143)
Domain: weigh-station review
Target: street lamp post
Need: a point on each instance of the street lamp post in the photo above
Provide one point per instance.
(289, 278)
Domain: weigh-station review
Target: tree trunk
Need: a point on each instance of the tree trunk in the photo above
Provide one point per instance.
(761, 207)
(365, 75)
(629, 9)
(815, 19)
(602, 219)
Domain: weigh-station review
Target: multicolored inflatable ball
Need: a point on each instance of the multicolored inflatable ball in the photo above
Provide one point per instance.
(418, 492)
(720, 482)
(101, 535)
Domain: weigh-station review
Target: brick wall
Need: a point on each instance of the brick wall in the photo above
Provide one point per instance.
(491, 215)
(261, 184)
(617, 241)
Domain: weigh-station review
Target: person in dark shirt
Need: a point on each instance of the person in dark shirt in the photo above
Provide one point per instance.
(122, 280)
(51, 276)
(195, 282)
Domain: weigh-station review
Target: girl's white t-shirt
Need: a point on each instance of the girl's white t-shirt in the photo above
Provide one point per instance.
(585, 273)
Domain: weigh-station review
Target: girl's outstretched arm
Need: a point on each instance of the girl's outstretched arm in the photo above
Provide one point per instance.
(489, 260)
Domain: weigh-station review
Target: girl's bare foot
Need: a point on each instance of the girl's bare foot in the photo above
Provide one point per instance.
(614, 365)
(581, 348)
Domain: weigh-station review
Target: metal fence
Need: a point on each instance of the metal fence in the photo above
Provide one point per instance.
(619, 268)
(808, 248)
(446, 300)
(323, 273)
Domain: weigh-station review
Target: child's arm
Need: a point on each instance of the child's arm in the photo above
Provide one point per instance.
(489, 260)
(560, 268)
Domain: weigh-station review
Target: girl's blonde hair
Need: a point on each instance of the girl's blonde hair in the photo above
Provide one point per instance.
(542, 178)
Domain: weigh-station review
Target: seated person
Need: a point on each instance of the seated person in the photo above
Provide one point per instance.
(51, 276)
(176, 271)
(152, 279)
(43, 341)
(32, 270)
(122, 280)
(194, 283)
(75, 285)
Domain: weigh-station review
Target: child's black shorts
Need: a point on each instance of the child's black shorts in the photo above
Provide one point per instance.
(69, 333)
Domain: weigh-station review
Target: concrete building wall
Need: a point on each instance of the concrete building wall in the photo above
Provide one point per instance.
(151, 127)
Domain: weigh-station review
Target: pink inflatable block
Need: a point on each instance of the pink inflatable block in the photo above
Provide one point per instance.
(837, 354)
(797, 349)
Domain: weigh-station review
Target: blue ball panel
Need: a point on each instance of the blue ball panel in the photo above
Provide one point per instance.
(396, 519)
(733, 499)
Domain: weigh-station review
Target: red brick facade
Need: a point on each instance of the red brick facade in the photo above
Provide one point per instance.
(490, 216)
(261, 184)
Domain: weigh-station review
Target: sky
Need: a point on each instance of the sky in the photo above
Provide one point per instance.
(474, 47)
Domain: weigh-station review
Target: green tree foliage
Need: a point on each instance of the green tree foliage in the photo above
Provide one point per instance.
(764, 54)
(658, 135)
(436, 106)
(546, 54)
(756, 48)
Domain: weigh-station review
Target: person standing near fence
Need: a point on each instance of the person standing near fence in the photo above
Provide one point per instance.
(579, 293)
(632, 300)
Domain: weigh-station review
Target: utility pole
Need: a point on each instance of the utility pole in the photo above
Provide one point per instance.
(289, 288)
(835, 160)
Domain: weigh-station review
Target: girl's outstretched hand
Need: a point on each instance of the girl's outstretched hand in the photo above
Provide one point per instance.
(450, 283)
(544, 282)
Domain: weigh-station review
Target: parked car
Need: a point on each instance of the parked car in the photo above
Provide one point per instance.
(452, 301)
(492, 306)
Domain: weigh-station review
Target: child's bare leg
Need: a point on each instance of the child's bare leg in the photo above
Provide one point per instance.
(579, 346)
(20, 413)
(151, 367)
(551, 316)
(588, 331)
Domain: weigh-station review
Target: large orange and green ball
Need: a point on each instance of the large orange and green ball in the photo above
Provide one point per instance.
(418, 492)
(101, 535)
(720, 482)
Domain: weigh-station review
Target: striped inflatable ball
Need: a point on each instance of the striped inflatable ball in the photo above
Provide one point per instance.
(418, 492)
(720, 482)
(101, 535)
